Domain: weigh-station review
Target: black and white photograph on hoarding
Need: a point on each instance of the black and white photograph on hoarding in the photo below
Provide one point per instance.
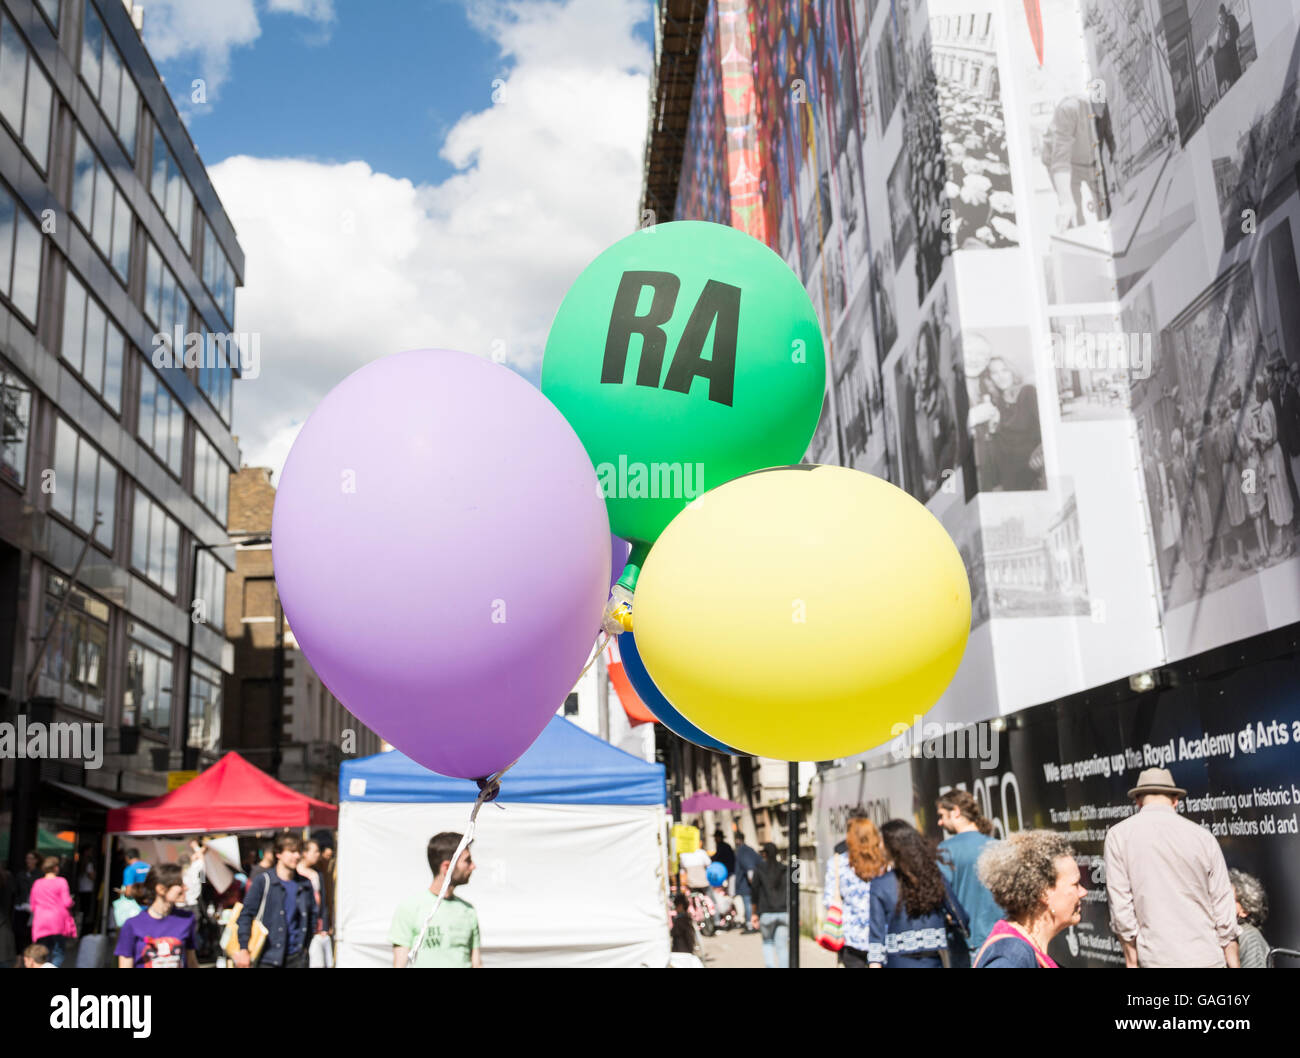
(976, 172)
(850, 191)
(1255, 148)
(962, 521)
(859, 397)
(926, 179)
(1002, 420)
(883, 320)
(902, 222)
(931, 401)
(813, 191)
(1142, 181)
(823, 448)
(832, 268)
(889, 74)
(1071, 132)
(1219, 427)
(1033, 554)
(1208, 46)
(1094, 359)
(1126, 70)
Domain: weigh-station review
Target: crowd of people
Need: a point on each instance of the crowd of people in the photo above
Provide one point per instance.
(903, 901)
(896, 898)
(171, 915)
(1194, 481)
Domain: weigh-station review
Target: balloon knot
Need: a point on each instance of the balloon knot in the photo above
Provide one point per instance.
(617, 618)
(488, 789)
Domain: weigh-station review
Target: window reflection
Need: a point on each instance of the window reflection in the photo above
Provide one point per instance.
(26, 95)
(109, 80)
(74, 667)
(161, 423)
(205, 706)
(101, 208)
(20, 257)
(155, 543)
(15, 424)
(148, 697)
(85, 481)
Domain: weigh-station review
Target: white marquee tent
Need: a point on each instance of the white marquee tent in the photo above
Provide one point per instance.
(571, 872)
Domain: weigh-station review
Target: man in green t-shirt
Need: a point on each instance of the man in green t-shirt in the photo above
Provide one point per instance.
(451, 939)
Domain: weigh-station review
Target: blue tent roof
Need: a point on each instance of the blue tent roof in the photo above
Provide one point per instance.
(564, 766)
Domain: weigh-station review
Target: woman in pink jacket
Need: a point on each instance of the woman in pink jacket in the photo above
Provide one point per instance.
(51, 917)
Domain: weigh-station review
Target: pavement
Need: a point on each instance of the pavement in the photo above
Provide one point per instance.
(732, 949)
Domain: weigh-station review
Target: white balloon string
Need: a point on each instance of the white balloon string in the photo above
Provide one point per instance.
(487, 791)
(599, 647)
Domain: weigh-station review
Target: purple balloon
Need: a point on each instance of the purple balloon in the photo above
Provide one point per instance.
(441, 550)
(619, 550)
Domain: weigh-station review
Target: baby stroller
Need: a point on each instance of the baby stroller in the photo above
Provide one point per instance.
(703, 912)
(727, 910)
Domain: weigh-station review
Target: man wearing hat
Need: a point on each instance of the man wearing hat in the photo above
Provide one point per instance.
(1171, 901)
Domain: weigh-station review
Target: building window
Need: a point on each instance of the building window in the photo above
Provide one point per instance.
(26, 95)
(205, 706)
(218, 274)
(92, 343)
(162, 420)
(165, 302)
(109, 80)
(50, 9)
(147, 701)
(211, 477)
(15, 425)
(101, 208)
(75, 664)
(172, 193)
(85, 481)
(210, 588)
(214, 378)
(20, 257)
(155, 543)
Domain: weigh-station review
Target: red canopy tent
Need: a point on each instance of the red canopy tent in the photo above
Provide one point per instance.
(231, 795)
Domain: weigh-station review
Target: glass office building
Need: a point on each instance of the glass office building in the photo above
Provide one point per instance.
(114, 472)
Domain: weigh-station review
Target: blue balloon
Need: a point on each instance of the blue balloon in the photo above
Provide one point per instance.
(644, 685)
(716, 874)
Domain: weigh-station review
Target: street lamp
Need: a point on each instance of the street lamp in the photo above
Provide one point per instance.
(189, 755)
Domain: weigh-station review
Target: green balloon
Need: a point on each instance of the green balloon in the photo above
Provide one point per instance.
(685, 355)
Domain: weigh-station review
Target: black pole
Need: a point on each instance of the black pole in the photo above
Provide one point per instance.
(277, 709)
(792, 899)
(187, 762)
(190, 757)
(675, 787)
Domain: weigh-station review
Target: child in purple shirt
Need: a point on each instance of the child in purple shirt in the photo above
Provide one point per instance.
(160, 937)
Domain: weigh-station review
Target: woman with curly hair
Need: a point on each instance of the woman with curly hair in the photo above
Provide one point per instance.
(1252, 911)
(1033, 877)
(912, 908)
(858, 860)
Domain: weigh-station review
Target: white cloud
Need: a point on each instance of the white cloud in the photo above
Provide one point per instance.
(206, 32)
(345, 264)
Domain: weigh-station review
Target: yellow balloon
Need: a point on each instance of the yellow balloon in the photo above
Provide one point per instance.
(801, 612)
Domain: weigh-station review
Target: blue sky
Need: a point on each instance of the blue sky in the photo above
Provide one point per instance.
(385, 197)
(383, 82)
